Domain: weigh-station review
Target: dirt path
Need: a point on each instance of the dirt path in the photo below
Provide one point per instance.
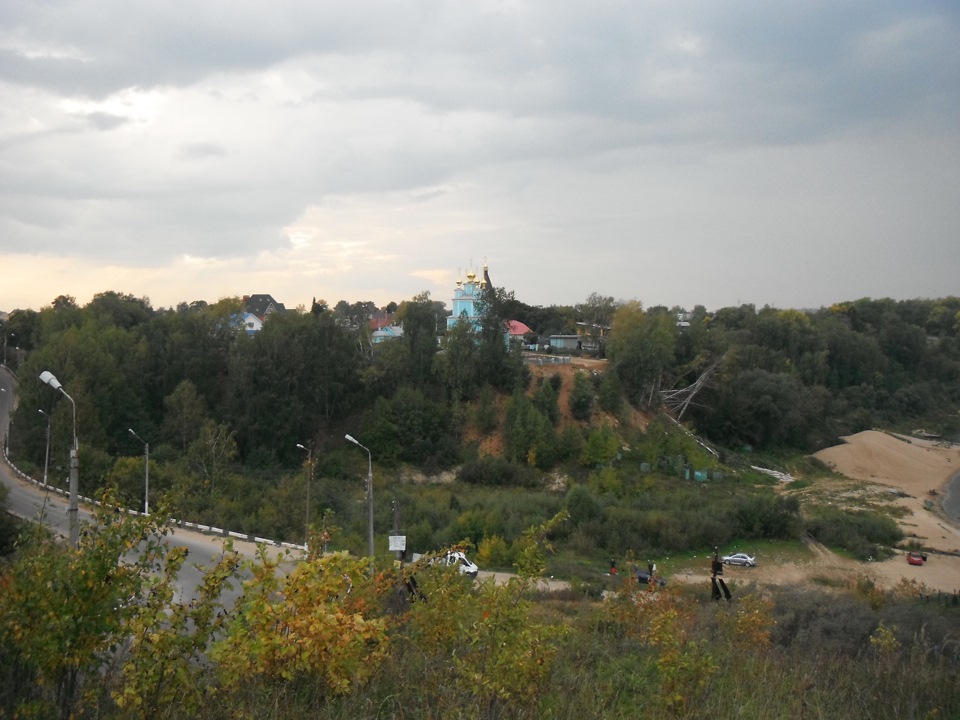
(940, 572)
(502, 578)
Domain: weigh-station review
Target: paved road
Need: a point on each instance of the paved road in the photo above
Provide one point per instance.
(33, 502)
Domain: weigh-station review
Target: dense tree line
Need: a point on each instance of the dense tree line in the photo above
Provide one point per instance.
(803, 379)
(224, 411)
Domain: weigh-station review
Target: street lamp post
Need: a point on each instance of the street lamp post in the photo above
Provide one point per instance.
(46, 457)
(73, 512)
(309, 474)
(6, 335)
(369, 492)
(146, 472)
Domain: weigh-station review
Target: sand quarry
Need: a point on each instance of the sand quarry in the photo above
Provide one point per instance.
(915, 472)
(877, 469)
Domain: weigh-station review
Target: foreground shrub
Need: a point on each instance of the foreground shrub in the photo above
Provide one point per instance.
(319, 621)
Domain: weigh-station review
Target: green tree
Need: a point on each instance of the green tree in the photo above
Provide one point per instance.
(486, 416)
(596, 313)
(528, 435)
(641, 348)
(126, 478)
(195, 342)
(545, 400)
(9, 527)
(497, 363)
(458, 365)
(410, 427)
(185, 412)
(582, 506)
(581, 397)
(211, 451)
(306, 365)
(121, 310)
(420, 336)
(610, 394)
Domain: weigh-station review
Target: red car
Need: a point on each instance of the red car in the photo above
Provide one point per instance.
(915, 558)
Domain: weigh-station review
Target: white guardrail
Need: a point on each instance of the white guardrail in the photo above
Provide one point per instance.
(197, 527)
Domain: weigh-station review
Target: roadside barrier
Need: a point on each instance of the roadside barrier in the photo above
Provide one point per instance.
(196, 527)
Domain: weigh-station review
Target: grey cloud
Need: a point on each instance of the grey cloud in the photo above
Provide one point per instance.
(598, 59)
(401, 96)
(105, 121)
(201, 150)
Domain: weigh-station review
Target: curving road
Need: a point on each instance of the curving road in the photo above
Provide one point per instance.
(34, 502)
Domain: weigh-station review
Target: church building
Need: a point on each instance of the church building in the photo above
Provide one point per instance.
(466, 297)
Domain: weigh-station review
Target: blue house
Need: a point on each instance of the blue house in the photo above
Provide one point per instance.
(388, 332)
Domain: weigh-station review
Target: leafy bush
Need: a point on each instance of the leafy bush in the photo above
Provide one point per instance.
(582, 506)
(863, 533)
(601, 448)
(494, 552)
(606, 481)
(766, 515)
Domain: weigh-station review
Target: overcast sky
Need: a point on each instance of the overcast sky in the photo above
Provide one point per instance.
(677, 153)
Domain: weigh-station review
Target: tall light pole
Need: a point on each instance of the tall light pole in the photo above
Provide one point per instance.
(369, 492)
(73, 512)
(146, 472)
(309, 475)
(46, 457)
(6, 335)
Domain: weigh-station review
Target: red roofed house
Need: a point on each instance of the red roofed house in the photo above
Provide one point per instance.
(516, 330)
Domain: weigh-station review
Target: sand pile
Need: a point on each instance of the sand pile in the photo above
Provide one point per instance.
(920, 470)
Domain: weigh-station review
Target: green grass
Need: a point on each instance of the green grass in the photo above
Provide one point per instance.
(766, 551)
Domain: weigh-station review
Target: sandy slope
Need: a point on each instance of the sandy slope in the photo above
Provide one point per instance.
(914, 467)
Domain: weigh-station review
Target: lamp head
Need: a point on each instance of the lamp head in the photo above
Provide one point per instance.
(352, 439)
(50, 379)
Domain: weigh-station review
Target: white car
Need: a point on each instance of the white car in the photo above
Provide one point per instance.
(464, 565)
(452, 558)
(739, 559)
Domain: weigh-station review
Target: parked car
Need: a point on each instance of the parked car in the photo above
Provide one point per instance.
(452, 558)
(644, 577)
(462, 563)
(916, 558)
(739, 559)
